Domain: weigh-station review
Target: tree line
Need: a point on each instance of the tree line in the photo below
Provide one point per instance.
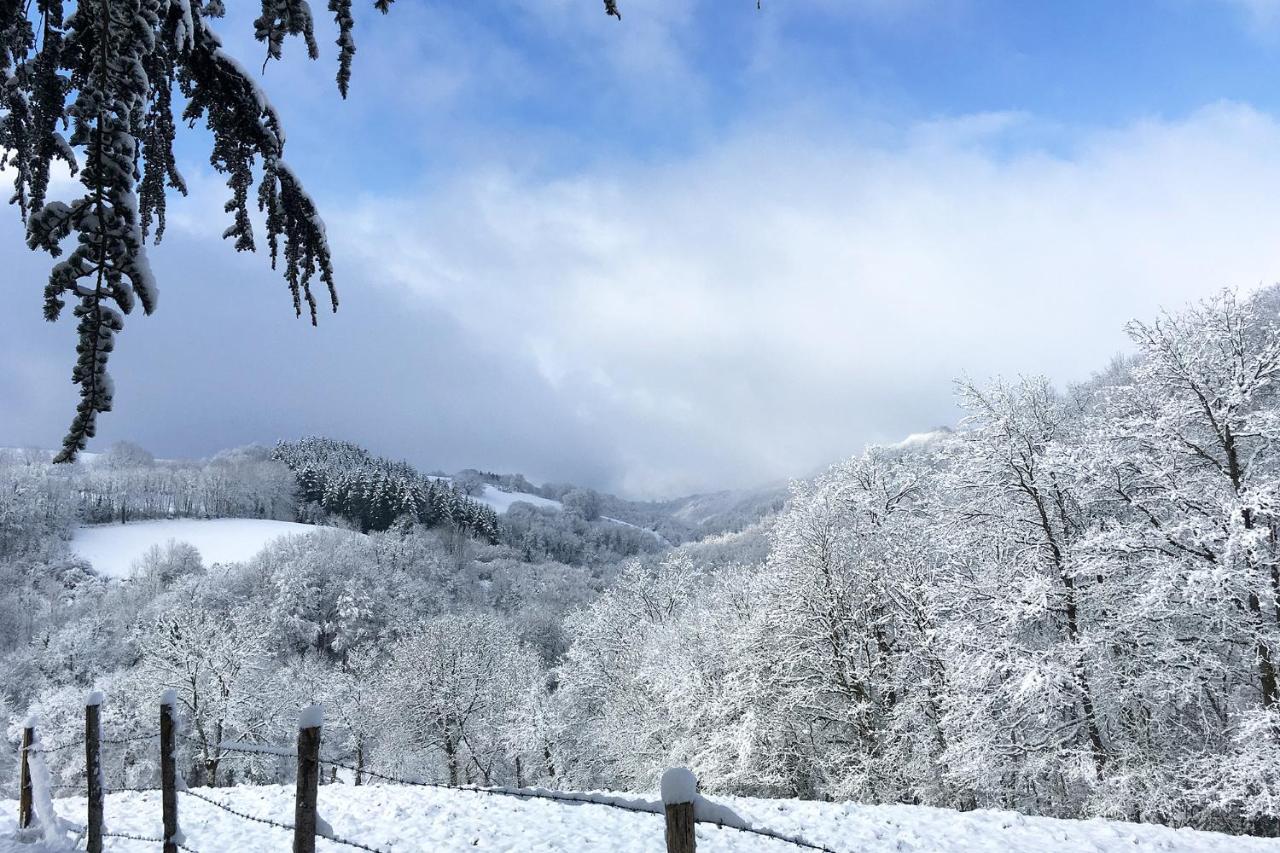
(346, 480)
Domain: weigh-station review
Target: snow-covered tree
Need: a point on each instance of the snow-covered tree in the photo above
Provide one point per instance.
(453, 690)
(216, 662)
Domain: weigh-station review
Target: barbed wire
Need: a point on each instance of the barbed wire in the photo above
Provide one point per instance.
(243, 815)
(337, 839)
(109, 789)
(131, 837)
(116, 741)
(133, 790)
(120, 740)
(272, 751)
(150, 839)
(374, 774)
(573, 798)
(265, 749)
(40, 747)
(768, 833)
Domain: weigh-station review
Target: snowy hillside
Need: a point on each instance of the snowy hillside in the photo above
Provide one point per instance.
(501, 501)
(113, 548)
(395, 819)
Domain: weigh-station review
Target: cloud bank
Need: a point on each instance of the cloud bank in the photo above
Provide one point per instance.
(770, 304)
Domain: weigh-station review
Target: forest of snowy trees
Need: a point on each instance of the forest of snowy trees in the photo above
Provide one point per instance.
(339, 478)
(1069, 605)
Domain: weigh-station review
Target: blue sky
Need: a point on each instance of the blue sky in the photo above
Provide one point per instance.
(548, 84)
(705, 246)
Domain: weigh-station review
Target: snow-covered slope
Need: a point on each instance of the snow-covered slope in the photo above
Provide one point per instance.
(501, 501)
(919, 439)
(418, 819)
(113, 548)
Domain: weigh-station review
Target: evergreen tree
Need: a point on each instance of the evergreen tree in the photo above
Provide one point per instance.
(373, 493)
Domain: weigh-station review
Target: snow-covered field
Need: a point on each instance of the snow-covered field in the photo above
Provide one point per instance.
(418, 819)
(501, 501)
(112, 549)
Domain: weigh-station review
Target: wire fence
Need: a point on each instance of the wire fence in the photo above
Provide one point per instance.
(40, 747)
(152, 839)
(325, 832)
(79, 787)
(328, 836)
(574, 797)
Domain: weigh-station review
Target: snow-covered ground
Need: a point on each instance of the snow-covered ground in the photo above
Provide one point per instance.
(398, 819)
(501, 501)
(655, 534)
(112, 549)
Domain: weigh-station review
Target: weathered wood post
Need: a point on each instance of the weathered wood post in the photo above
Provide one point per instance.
(169, 769)
(93, 769)
(25, 816)
(679, 791)
(304, 815)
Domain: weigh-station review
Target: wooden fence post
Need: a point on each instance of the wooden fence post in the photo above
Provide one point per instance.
(679, 791)
(93, 769)
(304, 815)
(169, 769)
(24, 791)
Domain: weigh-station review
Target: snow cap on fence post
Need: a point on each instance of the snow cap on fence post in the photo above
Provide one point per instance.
(169, 697)
(93, 699)
(312, 717)
(679, 785)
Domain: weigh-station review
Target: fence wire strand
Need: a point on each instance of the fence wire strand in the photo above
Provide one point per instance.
(242, 815)
(40, 747)
(150, 839)
(116, 741)
(336, 839)
(265, 750)
(572, 798)
(120, 740)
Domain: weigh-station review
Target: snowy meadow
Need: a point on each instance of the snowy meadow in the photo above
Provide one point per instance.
(1018, 634)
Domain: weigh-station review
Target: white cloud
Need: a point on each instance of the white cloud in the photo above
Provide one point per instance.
(771, 303)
